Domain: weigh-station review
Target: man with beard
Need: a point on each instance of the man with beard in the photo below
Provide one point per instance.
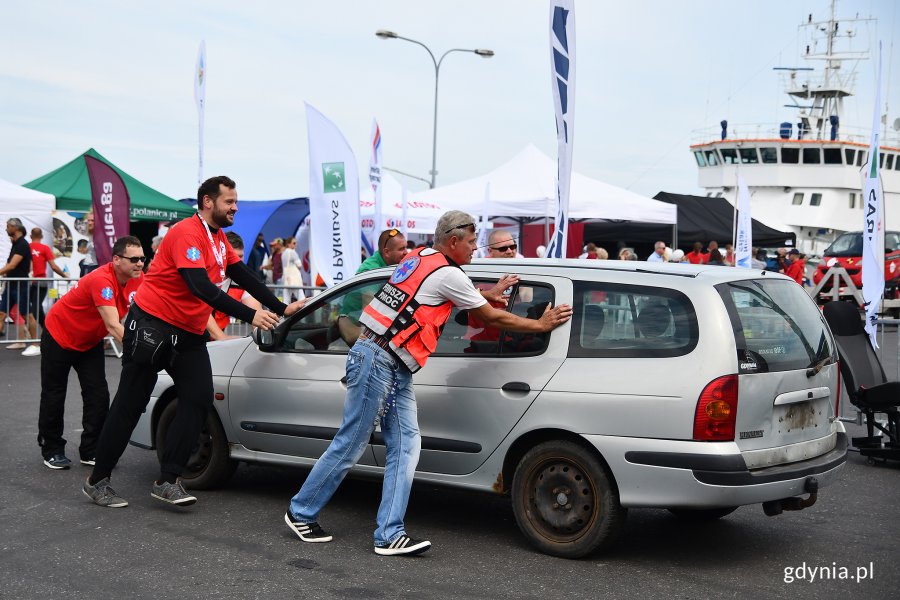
(165, 329)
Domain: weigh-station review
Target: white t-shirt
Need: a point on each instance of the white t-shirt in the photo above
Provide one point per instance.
(450, 284)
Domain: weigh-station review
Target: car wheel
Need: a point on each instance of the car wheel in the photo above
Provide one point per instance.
(699, 515)
(565, 501)
(209, 465)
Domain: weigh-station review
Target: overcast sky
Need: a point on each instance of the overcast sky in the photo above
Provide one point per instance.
(117, 76)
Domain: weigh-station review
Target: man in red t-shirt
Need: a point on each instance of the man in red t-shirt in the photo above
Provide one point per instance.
(73, 338)
(219, 321)
(697, 256)
(165, 329)
(41, 256)
(796, 270)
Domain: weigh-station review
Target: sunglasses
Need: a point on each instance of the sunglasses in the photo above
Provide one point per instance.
(463, 226)
(133, 259)
(512, 247)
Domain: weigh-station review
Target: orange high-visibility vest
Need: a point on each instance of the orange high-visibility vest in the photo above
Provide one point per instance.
(397, 314)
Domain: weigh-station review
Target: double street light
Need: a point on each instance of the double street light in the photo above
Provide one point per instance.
(388, 35)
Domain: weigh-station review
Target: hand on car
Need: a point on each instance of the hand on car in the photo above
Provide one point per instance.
(294, 307)
(495, 294)
(554, 317)
(265, 319)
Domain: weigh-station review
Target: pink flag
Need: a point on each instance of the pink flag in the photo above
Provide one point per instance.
(111, 207)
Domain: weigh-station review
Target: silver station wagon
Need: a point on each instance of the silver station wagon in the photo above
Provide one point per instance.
(695, 389)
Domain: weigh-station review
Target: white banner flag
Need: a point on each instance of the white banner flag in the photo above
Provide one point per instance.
(743, 238)
(333, 201)
(562, 55)
(200, 98)
(483, 228)
(873, 222)
(375, 181)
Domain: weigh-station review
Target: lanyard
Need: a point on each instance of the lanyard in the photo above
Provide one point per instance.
(215, 250)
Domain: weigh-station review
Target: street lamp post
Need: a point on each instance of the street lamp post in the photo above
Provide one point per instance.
(387, 35)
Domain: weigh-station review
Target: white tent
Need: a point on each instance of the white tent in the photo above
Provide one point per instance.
(33, 208)
(421, 215)
(525, 187)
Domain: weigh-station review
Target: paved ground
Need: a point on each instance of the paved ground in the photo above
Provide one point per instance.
(233, 544)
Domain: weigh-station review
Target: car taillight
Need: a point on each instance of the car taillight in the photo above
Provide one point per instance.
(714, 420)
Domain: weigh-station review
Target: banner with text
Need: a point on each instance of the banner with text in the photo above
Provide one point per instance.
(873, 222)
(111, 203)
(562, 54)
(372, 230)
(333, 201)
(743, 237)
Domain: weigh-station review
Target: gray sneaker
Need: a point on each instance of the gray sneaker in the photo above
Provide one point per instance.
(173, 493)
(102, 494)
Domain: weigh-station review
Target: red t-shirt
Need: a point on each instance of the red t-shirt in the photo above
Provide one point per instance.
(41, 254)
(224, 319)
(697, 258)
(164, 293)
(74, 321)
(795, 270)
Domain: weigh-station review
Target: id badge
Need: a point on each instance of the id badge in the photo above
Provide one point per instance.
(225, 284)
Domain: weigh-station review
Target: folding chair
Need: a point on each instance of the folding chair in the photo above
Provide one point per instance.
(864, 377)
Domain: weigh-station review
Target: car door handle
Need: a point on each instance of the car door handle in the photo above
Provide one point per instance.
(516, 386)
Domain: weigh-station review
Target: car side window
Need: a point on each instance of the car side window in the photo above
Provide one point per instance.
(464, 332)
(615, 320)
(331, 324)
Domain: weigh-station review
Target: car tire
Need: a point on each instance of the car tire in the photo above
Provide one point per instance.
(209, 465)
(565, 500)
(700, 515)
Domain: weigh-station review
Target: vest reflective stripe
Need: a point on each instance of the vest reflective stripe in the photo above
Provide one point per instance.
(411, 329)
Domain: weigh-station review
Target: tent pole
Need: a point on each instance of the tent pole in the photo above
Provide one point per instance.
(674, 236)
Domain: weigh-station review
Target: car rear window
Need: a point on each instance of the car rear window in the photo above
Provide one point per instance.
(616, 320)
(777, 326)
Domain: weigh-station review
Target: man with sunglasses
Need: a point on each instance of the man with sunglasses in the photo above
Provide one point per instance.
(401, 327)
(73, 335)
(391, 250)
(501, 245)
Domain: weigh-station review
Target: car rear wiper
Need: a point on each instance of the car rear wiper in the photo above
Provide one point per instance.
(814, 368)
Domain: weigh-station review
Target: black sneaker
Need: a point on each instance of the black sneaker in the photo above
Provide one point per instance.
(173, 493)
(89, 462)
(403, 545)
(102, 494)
(308, 532)
(57, 461)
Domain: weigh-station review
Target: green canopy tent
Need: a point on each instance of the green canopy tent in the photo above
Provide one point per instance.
(72, 188)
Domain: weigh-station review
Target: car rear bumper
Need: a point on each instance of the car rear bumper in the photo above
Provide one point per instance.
(654, 473)
(732, 471)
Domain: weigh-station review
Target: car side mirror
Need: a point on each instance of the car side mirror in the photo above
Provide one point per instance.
(265, 339)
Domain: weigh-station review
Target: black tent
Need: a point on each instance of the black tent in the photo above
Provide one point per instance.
(700, 219)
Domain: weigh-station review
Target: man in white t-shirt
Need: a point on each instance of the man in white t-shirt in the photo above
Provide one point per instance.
(401, 327)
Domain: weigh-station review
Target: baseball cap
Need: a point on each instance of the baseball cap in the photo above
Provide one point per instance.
(794, 251)
(276, 241)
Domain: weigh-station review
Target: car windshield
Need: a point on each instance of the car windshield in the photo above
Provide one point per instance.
(847, 244)
(777, 326)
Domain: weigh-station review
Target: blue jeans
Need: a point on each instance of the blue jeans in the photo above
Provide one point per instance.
(372, 375)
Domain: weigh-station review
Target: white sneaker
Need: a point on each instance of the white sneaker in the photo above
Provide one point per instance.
(32, 351)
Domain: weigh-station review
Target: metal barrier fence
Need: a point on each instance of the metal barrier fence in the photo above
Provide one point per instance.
(35, 296)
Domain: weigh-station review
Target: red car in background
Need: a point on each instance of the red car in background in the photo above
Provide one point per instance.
(846, 251)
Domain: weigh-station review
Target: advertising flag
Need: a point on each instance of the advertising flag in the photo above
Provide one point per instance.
(483, 225)
(562, 53)
(743, 237)
(333, 201)
(873, 222)
(112, 205)
(375, 181)
(200, 98)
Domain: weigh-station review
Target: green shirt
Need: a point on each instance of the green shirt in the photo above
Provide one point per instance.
(376, 261)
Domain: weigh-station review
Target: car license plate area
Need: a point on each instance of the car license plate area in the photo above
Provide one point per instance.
(792, 420)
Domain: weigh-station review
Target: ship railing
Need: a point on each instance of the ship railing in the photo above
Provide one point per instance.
(770, 131)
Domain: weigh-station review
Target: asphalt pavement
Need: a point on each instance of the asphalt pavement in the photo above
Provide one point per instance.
(54, 543)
